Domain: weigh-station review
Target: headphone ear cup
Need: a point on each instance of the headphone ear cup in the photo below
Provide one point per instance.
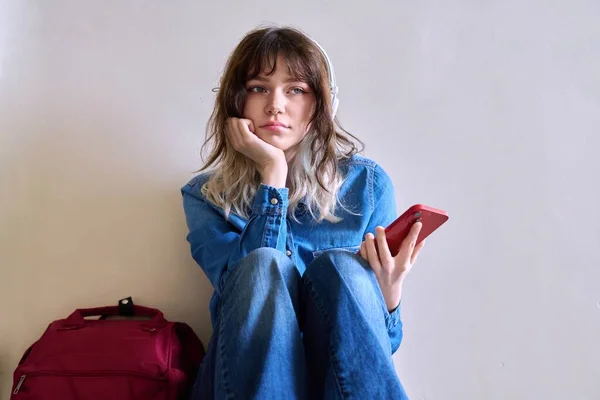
(334, 105)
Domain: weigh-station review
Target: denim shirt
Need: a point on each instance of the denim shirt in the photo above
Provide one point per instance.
(217, 244)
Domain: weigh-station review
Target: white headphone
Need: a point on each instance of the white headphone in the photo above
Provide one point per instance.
(335, 102)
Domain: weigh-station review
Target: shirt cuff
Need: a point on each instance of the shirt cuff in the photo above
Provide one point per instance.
(270, 200)
(393, 318)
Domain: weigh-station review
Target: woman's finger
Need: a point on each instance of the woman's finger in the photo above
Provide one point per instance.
(372, 254)
(246, 132)
(242, 130)
(363, 251)
(383, 250)
(246, 127)
(408, 244)
(415, 254)
(251, 126)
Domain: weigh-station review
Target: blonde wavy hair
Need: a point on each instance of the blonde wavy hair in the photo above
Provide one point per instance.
(314, 177)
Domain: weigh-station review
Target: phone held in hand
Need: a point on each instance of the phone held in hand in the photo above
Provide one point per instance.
(431, 218)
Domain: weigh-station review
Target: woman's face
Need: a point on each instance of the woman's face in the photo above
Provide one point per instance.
(280, 108)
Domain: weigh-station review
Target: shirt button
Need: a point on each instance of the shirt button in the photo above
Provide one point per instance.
(288, 253)
(274, 201)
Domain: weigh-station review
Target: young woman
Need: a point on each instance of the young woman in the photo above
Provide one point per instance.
(283, 220)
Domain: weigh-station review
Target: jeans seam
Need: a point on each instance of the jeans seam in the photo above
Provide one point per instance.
(325, 317)
(224, 371)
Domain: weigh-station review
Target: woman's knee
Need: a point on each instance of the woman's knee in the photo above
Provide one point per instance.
(338, 276)
(263, 267)
(263, 286)
(340, 263)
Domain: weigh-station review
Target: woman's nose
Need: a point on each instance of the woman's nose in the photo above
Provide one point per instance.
(276, 104)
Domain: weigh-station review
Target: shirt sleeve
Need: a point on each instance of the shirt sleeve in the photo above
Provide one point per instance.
(217, 244)
(384, 213)
(383, 201)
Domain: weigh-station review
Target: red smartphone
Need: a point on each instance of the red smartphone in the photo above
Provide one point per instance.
(432, 218)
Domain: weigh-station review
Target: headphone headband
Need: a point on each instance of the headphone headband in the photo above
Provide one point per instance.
(331, 76)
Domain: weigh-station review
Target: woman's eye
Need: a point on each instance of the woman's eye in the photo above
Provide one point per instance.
(256, 89)
(297, 90)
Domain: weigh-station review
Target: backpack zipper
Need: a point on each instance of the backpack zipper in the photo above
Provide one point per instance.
(19, 384)
(90, 373)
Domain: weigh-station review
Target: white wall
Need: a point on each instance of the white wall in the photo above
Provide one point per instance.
(490, 110)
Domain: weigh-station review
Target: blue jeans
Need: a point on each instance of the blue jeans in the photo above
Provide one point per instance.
(323, 335)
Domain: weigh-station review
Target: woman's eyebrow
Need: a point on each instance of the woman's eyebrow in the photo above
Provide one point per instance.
(261, 78)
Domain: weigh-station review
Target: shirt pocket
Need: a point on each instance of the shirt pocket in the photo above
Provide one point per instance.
(352, 249)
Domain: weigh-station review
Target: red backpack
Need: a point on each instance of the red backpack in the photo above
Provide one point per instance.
(83, 359)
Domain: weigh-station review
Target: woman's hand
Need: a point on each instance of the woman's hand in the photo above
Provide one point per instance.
(391, 271)
(242, 135)
(269, 160)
